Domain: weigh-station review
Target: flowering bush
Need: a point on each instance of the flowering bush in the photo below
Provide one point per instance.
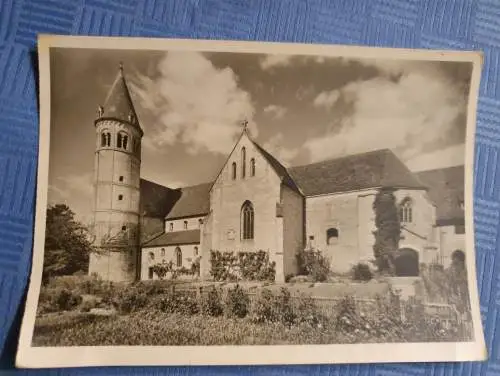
(315, 264)
(255, 266)
(250, 266)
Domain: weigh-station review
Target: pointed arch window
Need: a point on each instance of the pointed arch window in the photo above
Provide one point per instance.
(406, 211)
(243, 161)
(252, 167)
(247, 221)
(122, 141)
(178, 257)
(233, 171)
(105, 138)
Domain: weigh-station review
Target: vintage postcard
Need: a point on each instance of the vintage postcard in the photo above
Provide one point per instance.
(210, 202)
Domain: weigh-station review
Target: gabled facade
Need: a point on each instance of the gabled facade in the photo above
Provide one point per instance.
(255, 203)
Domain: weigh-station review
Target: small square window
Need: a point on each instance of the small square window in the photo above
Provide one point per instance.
(311, 237)
(124, 228)
(120, 197)
(120, 178)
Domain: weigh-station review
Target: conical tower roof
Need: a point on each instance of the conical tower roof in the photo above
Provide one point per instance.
(118, 103)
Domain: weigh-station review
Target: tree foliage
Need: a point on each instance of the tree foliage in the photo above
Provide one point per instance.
(388, 232)
(67, 243)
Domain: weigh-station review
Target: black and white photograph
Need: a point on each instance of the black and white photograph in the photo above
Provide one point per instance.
(248, 202)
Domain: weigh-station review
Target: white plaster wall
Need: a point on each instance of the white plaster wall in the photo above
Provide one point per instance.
(450, 241)
(178, 224)
(338, 211)
(188, 257)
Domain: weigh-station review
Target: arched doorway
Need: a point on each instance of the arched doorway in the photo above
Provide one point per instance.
(458, 258)
(406, 263)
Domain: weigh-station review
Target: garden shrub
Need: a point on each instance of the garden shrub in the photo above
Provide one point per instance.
(128, 300)
(284, 307)
(264, 307)
(57, 299)
(361, 272)
(237, 302)
(212, 303)
(307, 312)
(87, 305)
(182, 302)
(315, 264)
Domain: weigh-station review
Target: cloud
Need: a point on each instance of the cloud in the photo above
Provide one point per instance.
(327, 99)
(450, 156)
(272, 61)
(275, 111)
(275, 146)
(76, 191)
(413, 114)
(194, 103)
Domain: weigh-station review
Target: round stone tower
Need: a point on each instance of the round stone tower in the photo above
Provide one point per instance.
(116, 186)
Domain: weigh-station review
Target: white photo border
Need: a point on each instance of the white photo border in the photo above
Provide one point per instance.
(45, 357)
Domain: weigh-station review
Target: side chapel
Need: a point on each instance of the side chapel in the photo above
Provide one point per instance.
(255, 203)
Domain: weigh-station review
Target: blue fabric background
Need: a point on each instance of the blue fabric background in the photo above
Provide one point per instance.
(395, 23)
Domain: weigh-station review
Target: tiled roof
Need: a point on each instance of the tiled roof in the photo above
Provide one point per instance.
(118, 103)
(192, 201)
(175, 238)
(278, 168)
(446, 190)
(380, 168)
(157, 200)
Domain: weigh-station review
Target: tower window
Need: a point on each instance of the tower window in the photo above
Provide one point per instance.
(252, 167)
(196, 251)
(332, 235)
(120, 178)
(171, 227)
(162, 252)
(124, 228)
(120, 197)
(122, 140)
(243, 161)
(105, 139)
(247, 221)
(200, 222)
(185, 225)
(151, 256)
(233, 171)
(178, 257)
(406, 211)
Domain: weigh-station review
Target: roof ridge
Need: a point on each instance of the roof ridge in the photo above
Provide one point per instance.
(385, 150)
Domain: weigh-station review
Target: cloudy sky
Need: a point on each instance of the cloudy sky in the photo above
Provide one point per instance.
(302, 109)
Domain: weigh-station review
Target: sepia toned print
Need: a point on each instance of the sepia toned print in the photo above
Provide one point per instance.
(206, 194)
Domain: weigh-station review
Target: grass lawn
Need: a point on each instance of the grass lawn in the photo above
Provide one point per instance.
(157, 328)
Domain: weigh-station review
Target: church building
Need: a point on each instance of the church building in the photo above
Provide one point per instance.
(255, 203)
